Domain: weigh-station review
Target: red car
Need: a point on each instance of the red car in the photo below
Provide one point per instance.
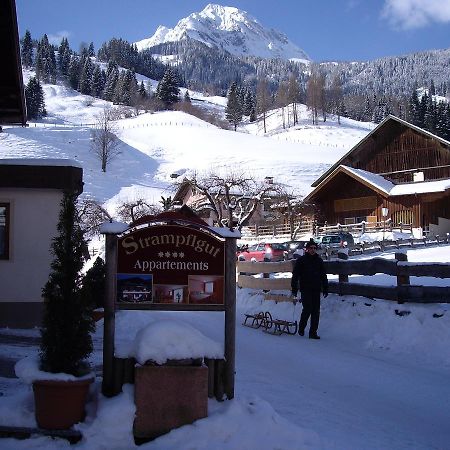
(263, 251)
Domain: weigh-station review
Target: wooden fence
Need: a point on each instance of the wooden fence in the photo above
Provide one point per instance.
(377, 246)
(282, 230)
(365, 227)
(403, 291)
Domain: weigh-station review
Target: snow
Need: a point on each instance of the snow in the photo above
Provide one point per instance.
(230, 29)
(373, 381)
(40, 162)
(400, 189)
(113, 227)
(376, 379)
(173, 339)
(27, 370)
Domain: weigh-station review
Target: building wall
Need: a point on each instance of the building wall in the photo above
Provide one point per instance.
(33, 218)
(399, 148)
(442, 228)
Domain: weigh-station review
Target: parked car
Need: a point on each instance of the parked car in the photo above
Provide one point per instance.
(332, 243)
(295, 249)
(264, 251)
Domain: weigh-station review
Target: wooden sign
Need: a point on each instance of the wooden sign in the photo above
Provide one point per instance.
(171, 265)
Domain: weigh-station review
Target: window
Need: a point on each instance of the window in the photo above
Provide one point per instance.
(4, 231)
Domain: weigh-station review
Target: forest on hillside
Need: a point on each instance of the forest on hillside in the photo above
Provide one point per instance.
(412, 87)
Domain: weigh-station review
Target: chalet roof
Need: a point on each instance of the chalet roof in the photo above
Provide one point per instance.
(12, 101)
(383, 186)
(359, 146)
(62, 174)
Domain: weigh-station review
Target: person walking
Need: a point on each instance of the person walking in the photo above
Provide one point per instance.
(309, 273)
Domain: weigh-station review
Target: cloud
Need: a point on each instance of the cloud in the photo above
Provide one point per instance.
(55, 39)
(409, 14)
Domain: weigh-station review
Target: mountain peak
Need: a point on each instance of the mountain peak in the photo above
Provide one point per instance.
(230, 29)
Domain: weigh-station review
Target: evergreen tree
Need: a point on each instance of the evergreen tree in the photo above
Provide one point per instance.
(45, 61)
(27, 50)
(85, 84)
(64, 54)
(423, 110)
(67, 323)
(167, 90)
(112, 78)
(233, 110)
(131, 87)
(249, 103)
(432, 89)
(34, 96)
(430, 118)
(93, 285)
(73, 74)
(97, 84)
(91, 51)
(141, 91)
(414, 109)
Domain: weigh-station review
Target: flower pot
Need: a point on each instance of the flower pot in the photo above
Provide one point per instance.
(60, 404)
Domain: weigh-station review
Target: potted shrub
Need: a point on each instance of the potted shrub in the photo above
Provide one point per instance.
(66, 329)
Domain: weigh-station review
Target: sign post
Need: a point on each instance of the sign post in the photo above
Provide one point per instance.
(230, 316)
(174, 263)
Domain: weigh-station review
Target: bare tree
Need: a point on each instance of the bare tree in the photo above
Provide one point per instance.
(295, 211)
(290, 206)
(282, 100)
(263, 99)
(293, 97)
(132, 210)
(336, 97)
(315, 95)
(166, 202)
(105, 143)
(233, 198)
(92, 215)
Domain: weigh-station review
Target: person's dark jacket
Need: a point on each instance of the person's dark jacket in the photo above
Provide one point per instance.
(309, 273)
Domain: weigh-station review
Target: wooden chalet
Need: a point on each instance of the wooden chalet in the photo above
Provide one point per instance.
(264, 214)
(398, 169)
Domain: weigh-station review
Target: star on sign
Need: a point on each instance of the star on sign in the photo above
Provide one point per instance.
(181, 255)
(175, 254)
(160, 254)
(167, 254)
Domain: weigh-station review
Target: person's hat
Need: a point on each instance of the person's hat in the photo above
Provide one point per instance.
(310, 243)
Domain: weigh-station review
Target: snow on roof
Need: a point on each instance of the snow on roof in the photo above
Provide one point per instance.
(421, 187)
(226, 232)
(40, 162)
(392, 189)
(375, 180)
(113, 227)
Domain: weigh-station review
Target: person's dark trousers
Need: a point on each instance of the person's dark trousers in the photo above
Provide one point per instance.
(311, 308)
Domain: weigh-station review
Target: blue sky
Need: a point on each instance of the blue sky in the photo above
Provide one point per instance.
(324, 29)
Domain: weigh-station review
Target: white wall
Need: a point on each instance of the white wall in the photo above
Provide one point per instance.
(441, 229)
(34, 215)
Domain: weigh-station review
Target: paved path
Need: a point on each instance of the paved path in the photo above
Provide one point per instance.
(12, 347)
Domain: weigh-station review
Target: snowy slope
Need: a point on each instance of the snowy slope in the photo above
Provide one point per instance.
(230, 29)
(156, 145)
(376, 380)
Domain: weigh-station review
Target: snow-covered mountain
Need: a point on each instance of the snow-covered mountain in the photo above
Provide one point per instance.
(230, 29)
